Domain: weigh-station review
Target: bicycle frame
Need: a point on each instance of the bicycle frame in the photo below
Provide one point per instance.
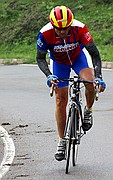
(73, 129)
(75, 101)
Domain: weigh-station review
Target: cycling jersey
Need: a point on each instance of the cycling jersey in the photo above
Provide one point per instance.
(64, 51)
(62, 71)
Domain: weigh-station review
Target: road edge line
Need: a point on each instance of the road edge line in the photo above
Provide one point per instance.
(9, 152)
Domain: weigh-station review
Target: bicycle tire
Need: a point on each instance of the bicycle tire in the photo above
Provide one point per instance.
(71, 135)
(75, 143)
(74, 154)
(68, 154)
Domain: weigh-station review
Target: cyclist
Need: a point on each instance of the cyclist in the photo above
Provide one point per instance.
(71, 46)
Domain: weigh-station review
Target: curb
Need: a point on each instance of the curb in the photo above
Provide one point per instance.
(105, 64)
(10, 61)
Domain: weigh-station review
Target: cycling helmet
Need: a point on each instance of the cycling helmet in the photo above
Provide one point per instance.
(61, 17)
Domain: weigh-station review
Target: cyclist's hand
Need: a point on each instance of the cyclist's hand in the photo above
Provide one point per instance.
(102, 84)
(52, 79)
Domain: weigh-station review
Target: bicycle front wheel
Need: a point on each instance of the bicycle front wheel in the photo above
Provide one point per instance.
(72, 138)
(74, 153)
(76, 129)
(68, 154)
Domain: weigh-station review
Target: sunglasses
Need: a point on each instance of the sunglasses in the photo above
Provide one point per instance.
(60, 29)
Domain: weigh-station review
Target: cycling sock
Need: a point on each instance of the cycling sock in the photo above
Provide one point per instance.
(90, 109)
(60, 139)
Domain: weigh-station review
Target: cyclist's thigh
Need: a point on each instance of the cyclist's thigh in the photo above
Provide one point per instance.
(83, 61)
(61, 71)
(62, 95)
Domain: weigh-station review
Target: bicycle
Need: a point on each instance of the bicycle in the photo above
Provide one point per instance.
(73, 129)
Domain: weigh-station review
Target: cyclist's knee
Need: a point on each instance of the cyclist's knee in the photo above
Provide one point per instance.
(61, 101)
(87, 74)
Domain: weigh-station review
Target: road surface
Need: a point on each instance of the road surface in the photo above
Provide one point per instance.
(27, 114)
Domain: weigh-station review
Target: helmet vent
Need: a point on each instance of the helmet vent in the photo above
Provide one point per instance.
(61, 14)
(55, 15)
(67, 14)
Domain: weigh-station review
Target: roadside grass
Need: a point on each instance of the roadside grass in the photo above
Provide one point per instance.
(24, 53)
(27, 53)
(97, 16)
(106, 53)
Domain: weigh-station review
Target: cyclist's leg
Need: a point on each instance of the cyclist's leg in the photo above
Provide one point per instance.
(61, 103)
(90, 96)
(84, 68)
(61, 71)
(87, 74)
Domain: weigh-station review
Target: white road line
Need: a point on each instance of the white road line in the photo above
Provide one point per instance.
(28, 65)
(9, 151)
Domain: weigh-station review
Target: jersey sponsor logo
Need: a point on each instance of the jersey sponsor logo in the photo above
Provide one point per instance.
(88, 36)
(39, 42)
(66, 47)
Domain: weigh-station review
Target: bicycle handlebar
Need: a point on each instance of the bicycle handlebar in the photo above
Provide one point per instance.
(76, 79)
(52, 90)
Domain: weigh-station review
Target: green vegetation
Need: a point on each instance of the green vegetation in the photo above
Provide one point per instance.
(20, 21)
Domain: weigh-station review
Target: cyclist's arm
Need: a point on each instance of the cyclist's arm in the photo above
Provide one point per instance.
(42, 63)
(93, 51)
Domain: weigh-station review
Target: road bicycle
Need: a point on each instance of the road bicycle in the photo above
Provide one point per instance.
(73, 129)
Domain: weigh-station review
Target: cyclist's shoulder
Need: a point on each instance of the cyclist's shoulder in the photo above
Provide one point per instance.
(77, 23)
(44, 36)
(47, 27)
(79, 27)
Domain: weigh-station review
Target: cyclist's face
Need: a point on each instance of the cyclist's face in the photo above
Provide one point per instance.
(62, 32)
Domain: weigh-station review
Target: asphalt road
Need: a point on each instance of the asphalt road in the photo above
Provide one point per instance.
(27, 113)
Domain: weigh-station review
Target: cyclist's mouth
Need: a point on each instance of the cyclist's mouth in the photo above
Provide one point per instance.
(63, 35)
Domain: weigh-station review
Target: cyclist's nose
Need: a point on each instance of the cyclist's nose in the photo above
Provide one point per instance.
(62, 31)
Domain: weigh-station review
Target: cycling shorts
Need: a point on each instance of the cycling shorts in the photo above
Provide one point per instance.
(63, 71)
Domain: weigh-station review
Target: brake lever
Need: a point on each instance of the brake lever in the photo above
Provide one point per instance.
(52, 90)
(97, 92)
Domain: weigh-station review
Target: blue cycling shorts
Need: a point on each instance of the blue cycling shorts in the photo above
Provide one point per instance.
(63, 71)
